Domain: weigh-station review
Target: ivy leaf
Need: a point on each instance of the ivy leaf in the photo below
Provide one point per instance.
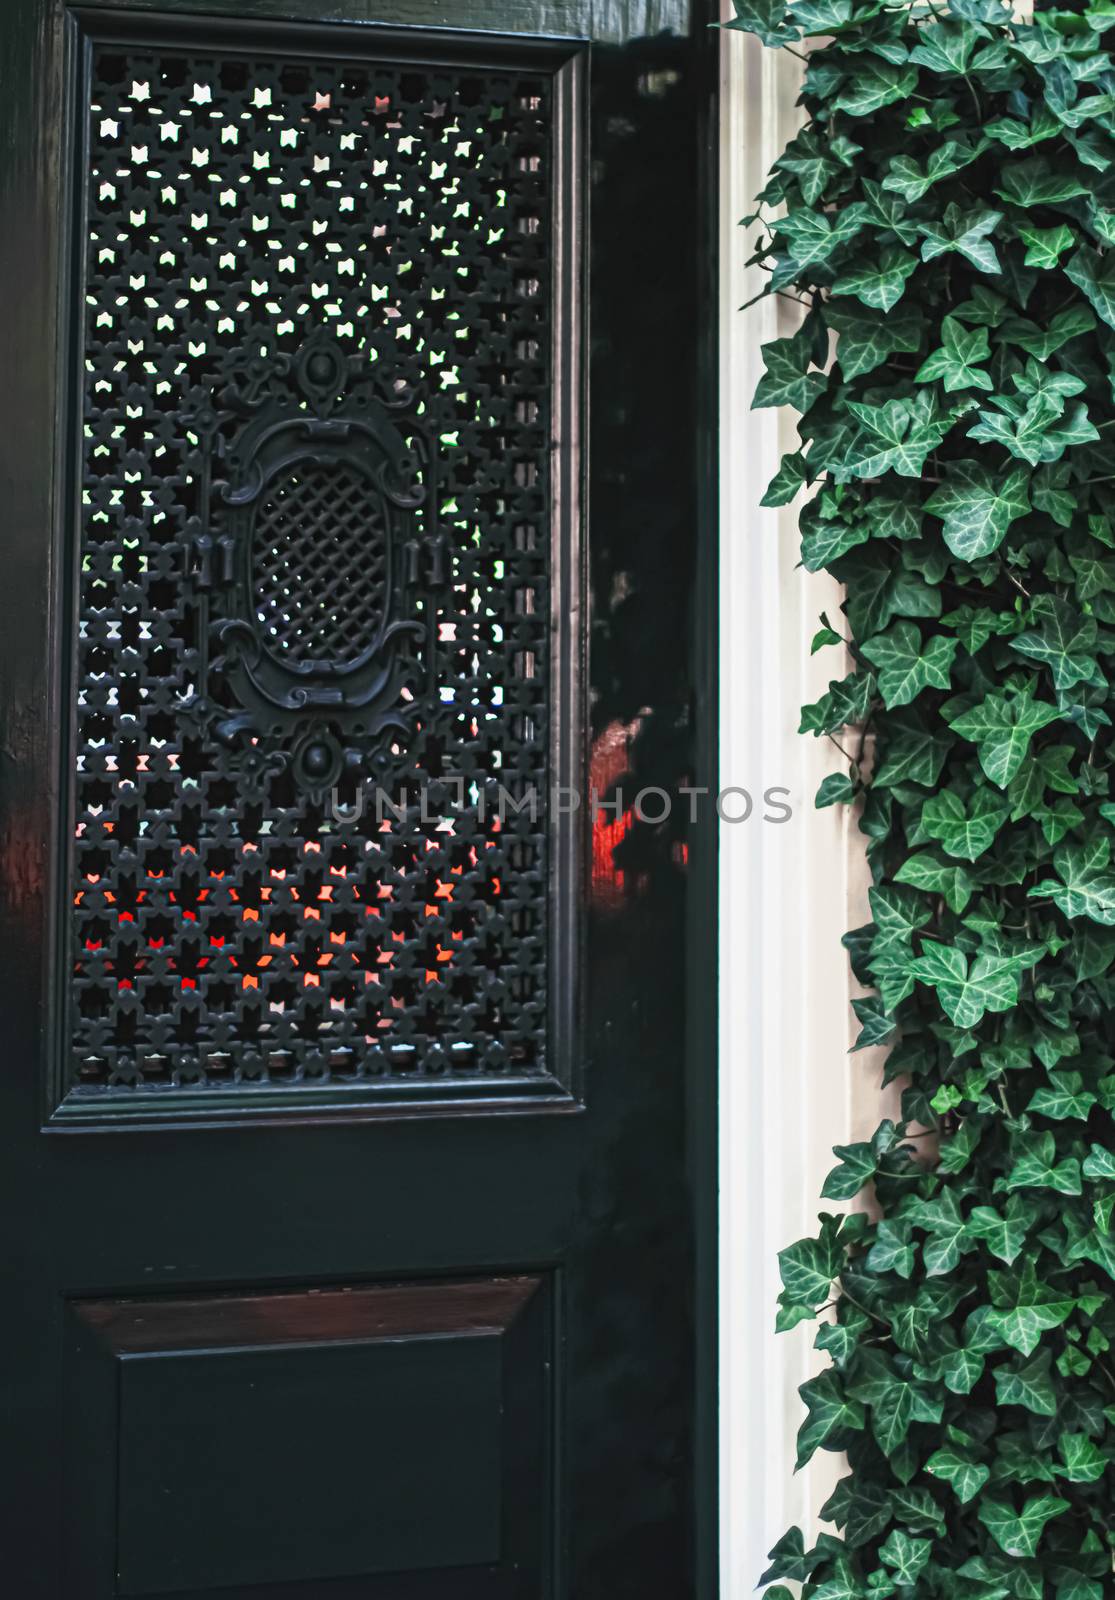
(906, 664)
(841, 1339)
(1001, 727)
(823, 545)
(1064, 641)
(1062, 1098)
(892, 1251)
(961, 1370)
(945, 47)
(917, 1508)
(892, 1416)
(964, 1475)
(1046, 246)
(896, 436)
(1037, 1167)
(912, 182)
(1087, 886)
(1028, 1385)
(813, 236)
(787, 380)
(1030, 1310)
(836, 789)
(1082, 1461)
(1094, 275)
(847, 701)
(1036, 434)
(1099, 1163)
(766, 18)
(1072, 1585)
(807, 157)
(841, 1586)
(906, 1557)
(1018, 135)
(912, 753)
(983, 308)
(948, 1239)
(1036, 183)
(877, 1026)
(928, 871)
(898, 914)
(880, 282)
(888, 214)
(978, 507)
(956, 363)
(1042, 342)
(967, 992)
(787, 481)
(875, 85)
(965, 830)
(867, 338)
(856, 1168)
(1019, 1533)
(832, 1415)
(1004, 1233)
(965, 232)
(808, 1268)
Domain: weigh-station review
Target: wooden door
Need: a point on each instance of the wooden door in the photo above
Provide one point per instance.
(355, 1112)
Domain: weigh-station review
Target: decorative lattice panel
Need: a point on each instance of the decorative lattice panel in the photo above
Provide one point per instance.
(315, 551)
(318, 559)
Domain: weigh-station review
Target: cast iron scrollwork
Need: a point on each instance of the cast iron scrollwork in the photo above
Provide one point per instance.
(314, 565)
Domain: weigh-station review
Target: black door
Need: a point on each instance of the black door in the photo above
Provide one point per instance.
(357, 1153)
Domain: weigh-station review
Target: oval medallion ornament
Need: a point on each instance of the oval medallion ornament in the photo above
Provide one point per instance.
(318, 556)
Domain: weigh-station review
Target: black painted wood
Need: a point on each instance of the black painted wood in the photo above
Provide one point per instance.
(599, 1204)
(313, 1437)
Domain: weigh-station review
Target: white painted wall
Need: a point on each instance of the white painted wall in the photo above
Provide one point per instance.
(789, 1089)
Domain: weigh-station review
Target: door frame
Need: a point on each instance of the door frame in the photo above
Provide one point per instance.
(789, 1090)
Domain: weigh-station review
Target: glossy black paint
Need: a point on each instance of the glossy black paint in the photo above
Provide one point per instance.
(605, 1204)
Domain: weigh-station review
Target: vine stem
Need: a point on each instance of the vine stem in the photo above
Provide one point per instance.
(846, 1294)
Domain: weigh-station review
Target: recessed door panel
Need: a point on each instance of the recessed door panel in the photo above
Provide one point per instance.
(303, 1437)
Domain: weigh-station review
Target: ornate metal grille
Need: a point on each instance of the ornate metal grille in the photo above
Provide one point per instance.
(315, 554)
(319, 559)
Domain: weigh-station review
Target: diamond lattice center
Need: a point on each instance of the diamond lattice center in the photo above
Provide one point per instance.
(319, 565)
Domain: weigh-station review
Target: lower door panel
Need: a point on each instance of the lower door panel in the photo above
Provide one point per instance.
(386, 1440)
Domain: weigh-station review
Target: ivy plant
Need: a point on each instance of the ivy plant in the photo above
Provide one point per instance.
(946, 220)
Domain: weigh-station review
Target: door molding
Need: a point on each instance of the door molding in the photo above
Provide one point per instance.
(789, 1090)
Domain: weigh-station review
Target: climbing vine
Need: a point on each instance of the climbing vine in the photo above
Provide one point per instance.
(946, 218)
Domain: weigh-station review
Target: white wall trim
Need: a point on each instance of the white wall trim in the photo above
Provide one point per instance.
(789, 1090)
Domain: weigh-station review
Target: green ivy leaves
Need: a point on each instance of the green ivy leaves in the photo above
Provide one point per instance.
(881, 282)
(959, 361)
(905, 664)
(1084, 886)
(969, 989)
(1001, 726)
(787, 380)
(1019, 1533)
(947, 215)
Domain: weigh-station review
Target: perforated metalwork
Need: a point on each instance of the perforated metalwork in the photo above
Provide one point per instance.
(319, 552)
(228, 929)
